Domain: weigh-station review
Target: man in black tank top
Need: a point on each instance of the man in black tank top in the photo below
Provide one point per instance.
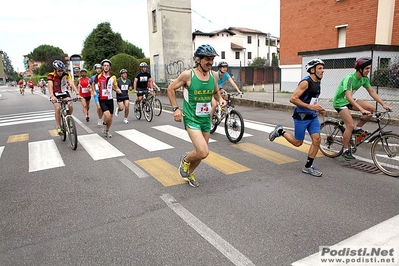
(305, 97)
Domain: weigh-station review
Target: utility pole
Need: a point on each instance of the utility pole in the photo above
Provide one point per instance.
(268, 50)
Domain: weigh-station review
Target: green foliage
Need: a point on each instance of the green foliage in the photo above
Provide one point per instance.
(274, 60)
(43, 52)
(387, 77)
(101, 43)
(128, 62)
(258, 62)
(131, 49)
(8, 69)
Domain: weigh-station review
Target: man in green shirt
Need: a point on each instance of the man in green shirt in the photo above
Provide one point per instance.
(343, 102)
(199, 85)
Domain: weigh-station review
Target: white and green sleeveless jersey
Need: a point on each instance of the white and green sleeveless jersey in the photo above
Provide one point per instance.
(198, 99)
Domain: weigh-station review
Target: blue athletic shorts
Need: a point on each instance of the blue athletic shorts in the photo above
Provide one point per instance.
(311, 125)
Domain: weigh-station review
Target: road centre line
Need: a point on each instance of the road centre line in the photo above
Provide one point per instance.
(86, 128)
(135, 169)
(230, 252)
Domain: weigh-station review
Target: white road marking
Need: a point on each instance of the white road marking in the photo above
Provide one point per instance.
(220, 130)
(135, 169)
(1, 150)
(176, 132)
(235, 256)
(382, 234)
(86, 128)
(98, 147)
(143, 140)
(44, 155)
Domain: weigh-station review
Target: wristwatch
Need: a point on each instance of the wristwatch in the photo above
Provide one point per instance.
(175, 108)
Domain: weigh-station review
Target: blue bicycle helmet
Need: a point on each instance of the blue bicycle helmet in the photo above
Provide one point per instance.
(58, 65)
(205, 50)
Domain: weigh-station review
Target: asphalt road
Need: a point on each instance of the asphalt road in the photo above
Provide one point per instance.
(253, 205)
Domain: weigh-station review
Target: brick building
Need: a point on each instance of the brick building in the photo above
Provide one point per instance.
(331, 29)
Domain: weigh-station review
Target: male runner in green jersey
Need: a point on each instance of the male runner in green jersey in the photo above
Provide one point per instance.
(199, 84)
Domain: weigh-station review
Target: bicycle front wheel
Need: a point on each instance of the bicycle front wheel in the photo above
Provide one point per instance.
(72, 133)
(331, 139)
(157, 107)
(234, 126)
(385, 154)
(147, 111)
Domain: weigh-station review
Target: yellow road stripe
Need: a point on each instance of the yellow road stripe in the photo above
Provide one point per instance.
(18, 138)
(53, 132)
(162, 171)
(224, 164)
(261, 152)
(303, 148)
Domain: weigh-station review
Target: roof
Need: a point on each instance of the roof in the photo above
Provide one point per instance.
(236, 47)
(247, 30)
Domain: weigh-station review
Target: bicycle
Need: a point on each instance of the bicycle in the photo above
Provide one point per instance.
(234, 123)
(155, 103)
(145, 107)
(384, 144)
(68, 123)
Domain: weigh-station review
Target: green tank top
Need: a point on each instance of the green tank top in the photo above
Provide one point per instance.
(198, 99)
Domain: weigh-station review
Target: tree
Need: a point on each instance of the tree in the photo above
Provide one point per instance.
(43, 52)
(128, 62)
(8, 68)
(131, 49)
(258, 62)
(101, 43)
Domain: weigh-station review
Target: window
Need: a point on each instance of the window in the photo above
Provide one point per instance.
(339, 63)
(249, 39)
(249, 55)
(223, 55)
(384, 62)
(341, 35)
(154, 21)
(237, 55)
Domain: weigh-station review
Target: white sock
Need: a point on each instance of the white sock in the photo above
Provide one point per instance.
(356, 128)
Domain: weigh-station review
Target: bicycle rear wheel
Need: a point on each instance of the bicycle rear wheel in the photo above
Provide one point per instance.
(234, 126)
(137, 111)
(72, 132)
(385, 154)
(147, 110)
(331, 139)
(156, 106)
(63, 135)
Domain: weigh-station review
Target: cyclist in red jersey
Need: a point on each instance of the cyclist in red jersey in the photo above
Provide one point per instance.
(58, 82)
(85, 92)
(31, 84)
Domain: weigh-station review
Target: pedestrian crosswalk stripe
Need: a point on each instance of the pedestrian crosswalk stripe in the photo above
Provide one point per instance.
(162, 171)
(18, 138)
(1, 150)
(221, 130)
(177, 132)
(303, 148)
(80, 123)
(266, 154)
(135, 169)
(224, 164)
(53, 132)
(44, 155)
(259, 127)
(97, 147)
(143, 140)
(23, 118)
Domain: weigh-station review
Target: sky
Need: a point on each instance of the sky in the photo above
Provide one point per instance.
(69, 22)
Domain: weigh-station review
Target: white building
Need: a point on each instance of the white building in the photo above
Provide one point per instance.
(239, 46)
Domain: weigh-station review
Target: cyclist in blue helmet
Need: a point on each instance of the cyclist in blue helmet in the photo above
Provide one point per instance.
(199, 85)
